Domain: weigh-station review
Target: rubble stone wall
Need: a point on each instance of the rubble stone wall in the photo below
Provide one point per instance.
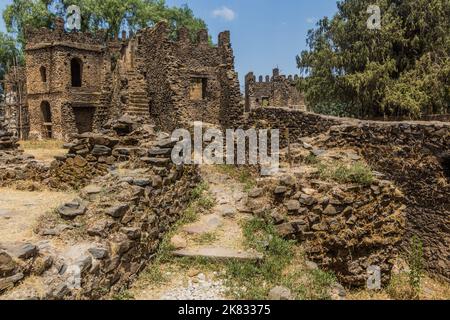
(170, 68)
(415, 155)
(345, 228)
(121, 217)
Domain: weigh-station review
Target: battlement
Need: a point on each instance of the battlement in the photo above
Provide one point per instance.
(276, 76)
(161, 29)
(37, 38)
(277, 91)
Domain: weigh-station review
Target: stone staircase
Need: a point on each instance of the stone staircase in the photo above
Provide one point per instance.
(138, 101)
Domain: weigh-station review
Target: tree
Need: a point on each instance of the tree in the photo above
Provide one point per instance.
(9, 53)
(112, 15)
(23, 13)
(401, 69)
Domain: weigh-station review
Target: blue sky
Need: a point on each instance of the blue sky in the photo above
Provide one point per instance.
(264, 33)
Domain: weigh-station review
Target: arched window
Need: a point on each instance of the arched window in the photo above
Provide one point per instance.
(76, 69)
(43, 71)
(47, 117)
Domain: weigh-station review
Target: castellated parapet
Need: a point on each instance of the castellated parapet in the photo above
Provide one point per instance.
(79, 81)
(274, 91)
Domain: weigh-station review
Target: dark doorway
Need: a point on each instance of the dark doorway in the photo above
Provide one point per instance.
(84, 118)
(47, 119)
(76, 70)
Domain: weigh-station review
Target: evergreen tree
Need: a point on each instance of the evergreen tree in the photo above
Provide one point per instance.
(401, 69)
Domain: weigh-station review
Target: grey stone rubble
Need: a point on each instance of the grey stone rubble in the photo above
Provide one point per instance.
(198, 288)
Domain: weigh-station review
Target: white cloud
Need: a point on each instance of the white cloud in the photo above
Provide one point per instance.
(311, 20)
(224, 13)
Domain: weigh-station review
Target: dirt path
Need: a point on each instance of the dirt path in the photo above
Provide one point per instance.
(217, 235)
(20, 211)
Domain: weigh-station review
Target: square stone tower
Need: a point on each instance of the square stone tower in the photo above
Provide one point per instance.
(65, 72)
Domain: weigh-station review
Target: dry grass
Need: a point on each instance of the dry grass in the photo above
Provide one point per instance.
(399, 289)
(41, 144)
(43, 150)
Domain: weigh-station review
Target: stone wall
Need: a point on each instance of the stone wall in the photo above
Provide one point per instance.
(415, 155)
(110, 232)
(172, 67)
(275, 91)
(344, 228)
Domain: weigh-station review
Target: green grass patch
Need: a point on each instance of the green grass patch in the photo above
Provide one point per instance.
(311, 159)
(282, 265)
(241, 174)
(123, 295)
(252, 280)
(358, 172)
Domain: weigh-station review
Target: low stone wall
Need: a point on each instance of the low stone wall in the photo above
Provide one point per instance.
(415, 155)
(300, 123)
(98, 243)
(89, 155)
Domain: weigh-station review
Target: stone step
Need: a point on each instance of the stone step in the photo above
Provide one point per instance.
(138, 108)
(139, 101)
(138, 95)
(219, 253)
(138, 114)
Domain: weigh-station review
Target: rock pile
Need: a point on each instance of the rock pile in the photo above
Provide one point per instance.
(18, 261)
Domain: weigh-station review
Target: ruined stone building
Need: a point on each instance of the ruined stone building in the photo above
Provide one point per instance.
(13, 105)
(275, 91)
(76, 82)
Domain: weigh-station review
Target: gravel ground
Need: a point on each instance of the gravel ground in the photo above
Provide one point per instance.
(198, 288)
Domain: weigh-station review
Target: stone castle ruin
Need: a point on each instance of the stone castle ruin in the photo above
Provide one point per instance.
(114, 99)
(275, 91)
(79, 81)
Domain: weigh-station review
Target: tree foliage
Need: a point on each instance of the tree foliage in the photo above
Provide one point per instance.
(402, 69)
(111, 15)
(9, 55)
